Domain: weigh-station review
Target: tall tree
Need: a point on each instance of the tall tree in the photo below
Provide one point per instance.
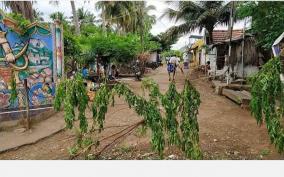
(142, 21)
(58, 16)
(267, 20)
(22, 7)
(74, 14)
(85, 17)
(128, 16)
(198, 15)
(115, 13)
(75, 18)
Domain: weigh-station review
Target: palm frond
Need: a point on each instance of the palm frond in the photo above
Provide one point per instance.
(150, 7)
(170, 13)
(183, 28)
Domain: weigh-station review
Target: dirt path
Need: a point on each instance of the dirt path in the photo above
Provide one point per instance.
(226, 130)
(229, 132)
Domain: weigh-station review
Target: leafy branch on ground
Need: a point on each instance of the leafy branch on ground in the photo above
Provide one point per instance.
(179, 127)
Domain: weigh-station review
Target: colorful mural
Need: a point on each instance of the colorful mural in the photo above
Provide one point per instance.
(30, 56)
(59, 52)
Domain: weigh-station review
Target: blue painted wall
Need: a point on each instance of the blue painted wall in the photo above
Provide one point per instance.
(40, 70)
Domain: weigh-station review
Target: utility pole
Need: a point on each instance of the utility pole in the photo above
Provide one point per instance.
(243, 45)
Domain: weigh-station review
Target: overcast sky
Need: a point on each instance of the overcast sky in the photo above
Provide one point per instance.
(160, 26)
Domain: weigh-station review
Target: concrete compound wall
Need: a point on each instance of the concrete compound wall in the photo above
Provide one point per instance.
(44, 54)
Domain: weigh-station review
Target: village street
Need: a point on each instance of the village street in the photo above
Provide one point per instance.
(226, 130)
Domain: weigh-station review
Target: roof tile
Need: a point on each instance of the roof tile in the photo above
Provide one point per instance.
(222, 35)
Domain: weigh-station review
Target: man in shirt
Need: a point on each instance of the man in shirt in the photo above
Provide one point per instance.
(112, 73)
(172, 65)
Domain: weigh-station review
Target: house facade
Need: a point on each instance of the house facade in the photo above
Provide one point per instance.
(238, 64)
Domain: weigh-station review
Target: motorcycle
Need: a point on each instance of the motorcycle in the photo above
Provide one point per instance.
(154, 65)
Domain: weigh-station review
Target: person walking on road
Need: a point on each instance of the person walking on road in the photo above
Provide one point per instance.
(185, 61)
(172, 65)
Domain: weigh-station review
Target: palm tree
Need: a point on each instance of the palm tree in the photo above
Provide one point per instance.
(115, 13)
(74, 13)
(142, 21)
(85, 17)
(22, 7)
(75, 18)
(198, 15)
(58, 16)
(127, 16)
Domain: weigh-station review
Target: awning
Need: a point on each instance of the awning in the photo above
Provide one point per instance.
(197, 45)
(275, 46)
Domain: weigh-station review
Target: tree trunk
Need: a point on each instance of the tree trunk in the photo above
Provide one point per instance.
(22, 7)
(103, 18)
(141, 25)
(75, 18)
(142, 40)
(210, 32)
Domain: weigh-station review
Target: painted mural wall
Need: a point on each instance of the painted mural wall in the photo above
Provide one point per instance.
(36, 56)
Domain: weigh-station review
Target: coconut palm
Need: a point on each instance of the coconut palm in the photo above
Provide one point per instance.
(198, 15)
(75, 18)
(115, 13)
(74, 13)
(22, 7)
(58, 16)
(140, 16)
(85, 17)
(141, 20)
(127, 16)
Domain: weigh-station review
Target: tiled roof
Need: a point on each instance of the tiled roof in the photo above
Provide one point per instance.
(222, 35)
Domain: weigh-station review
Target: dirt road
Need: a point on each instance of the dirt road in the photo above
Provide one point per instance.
(226, 130)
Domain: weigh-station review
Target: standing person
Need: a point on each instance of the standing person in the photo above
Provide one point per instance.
(185, 61)
(178, 65)
(85, 72)
(102, 71)
(172, 65)
(112, 73)
(137, 70)
(207, 67)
